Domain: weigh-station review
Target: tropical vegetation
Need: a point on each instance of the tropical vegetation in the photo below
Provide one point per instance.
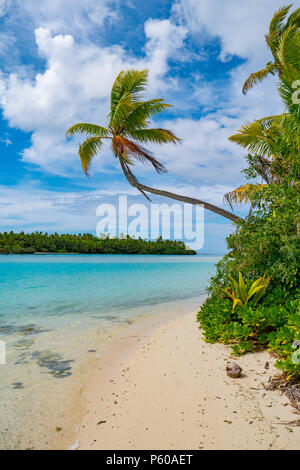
(281, 32)
(266, 246)
(29, 243)
(240, 295)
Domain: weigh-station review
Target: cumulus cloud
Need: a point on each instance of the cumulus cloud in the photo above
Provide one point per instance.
(76, 80)
(240, 26)
(80, 18)
(165, 40)
(206, 153)
(75, 86)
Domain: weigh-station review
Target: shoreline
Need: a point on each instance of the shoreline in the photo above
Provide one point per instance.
(105, 254)
(157, 385)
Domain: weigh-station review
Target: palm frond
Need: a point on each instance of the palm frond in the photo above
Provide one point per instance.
(267, 121)
(242, 194)
(156, 136)
(289, 90)
(280, 31)
(86, 128)
(87, 150)
(142, 112)
(124, 147)
(128, 81)
(277, 27)
(252, 137)
(288, 50)
(124, 107)
(258, 77)
(294, 18)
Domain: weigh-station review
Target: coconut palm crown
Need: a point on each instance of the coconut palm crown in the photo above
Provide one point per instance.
(128, 129)
(128, 125)
(281, 32)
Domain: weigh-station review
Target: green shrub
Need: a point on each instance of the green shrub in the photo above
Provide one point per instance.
(269, 325)
(267, 243)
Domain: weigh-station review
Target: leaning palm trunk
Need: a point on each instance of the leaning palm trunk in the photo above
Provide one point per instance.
(190, 200)
(129, 127)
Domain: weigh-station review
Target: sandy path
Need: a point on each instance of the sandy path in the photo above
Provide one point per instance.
(167, 389)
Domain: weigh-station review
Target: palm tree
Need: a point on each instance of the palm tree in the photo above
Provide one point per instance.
(274, 141)
(274, 144)
(280, 33)
(128, 128)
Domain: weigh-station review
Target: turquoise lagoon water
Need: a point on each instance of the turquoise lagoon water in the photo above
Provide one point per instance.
(53, 312)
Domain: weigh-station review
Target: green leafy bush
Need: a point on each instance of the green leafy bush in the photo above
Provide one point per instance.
(269, 325)
(266, 243)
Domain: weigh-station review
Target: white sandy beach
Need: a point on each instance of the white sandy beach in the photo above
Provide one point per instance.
(158, 385)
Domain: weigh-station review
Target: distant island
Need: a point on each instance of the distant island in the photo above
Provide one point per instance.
(38, 242)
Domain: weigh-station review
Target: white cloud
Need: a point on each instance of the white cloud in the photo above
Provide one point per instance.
(206, 154)
(78, 75)
(28, 207)
(165, 39)
(77, 17)
(240, 26)
(75, 87)
(4, 5)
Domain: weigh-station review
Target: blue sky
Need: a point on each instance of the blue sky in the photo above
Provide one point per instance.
(57, 64)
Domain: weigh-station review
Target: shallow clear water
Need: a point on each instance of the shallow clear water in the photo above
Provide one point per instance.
(53, 311)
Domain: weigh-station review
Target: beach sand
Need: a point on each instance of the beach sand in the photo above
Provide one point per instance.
(157, 385)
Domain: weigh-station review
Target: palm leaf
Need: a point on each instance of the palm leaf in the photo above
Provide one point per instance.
(242, 194)
(294, 18)
(130, 82)
(289, 48)
(87, 150)
(277, 27)
(124, 107)
(258, 77)
(86, 128)
(252, 137)
(139, 117)
(258, 292)
(157, 136)
(236, 287)
(228, 293)
(124, 147)
(279, 31)
(254, 285)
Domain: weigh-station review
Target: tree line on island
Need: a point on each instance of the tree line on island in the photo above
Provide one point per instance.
(38, 242)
